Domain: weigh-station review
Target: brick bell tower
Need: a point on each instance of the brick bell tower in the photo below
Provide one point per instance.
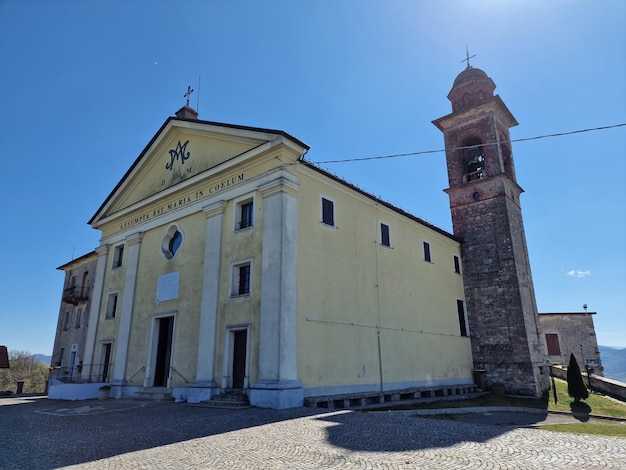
(487, 217)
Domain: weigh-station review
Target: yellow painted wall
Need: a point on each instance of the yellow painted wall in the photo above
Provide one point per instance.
(339, 271)
(347, 282)
(189, 264)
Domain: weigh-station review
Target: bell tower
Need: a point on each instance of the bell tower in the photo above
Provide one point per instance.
(487, 217)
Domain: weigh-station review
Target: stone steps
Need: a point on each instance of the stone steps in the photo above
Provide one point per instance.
(358, 400)
(154, 395)
(229, 399)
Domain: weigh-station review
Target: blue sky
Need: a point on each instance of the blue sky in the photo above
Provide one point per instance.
(85, 85)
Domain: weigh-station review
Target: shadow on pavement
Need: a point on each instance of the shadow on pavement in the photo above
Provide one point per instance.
(46, 434)
(392, 432)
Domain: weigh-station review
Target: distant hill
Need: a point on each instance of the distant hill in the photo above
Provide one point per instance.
(614, 362)
(45, 359)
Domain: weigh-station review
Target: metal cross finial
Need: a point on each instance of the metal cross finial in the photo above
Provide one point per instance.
(188, 94)
(468, 57)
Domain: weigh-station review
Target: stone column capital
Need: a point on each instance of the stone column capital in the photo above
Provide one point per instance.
(102, 250)
(134, 238)
(216, 208)
(284, 182)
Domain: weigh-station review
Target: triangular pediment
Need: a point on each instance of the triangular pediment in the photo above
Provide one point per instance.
(182, 149)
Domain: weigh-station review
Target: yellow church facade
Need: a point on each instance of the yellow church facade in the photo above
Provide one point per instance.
(227, 261)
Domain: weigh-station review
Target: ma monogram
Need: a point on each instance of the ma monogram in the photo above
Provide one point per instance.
(179, 151)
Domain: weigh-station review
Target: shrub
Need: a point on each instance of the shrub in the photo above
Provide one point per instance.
(575, 385)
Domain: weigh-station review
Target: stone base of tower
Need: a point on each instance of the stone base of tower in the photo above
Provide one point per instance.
(531, 380)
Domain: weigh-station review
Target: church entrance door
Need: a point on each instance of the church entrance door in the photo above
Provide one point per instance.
(240, 342)
(165, 328)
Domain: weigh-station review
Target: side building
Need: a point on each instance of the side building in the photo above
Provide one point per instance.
(572, 333)
(71, 333)
(229, 262)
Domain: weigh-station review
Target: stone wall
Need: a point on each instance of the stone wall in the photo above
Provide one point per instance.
(612, 388)
(576, 335)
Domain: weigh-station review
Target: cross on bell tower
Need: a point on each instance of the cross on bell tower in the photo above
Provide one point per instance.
(467, 57)
(486, 215)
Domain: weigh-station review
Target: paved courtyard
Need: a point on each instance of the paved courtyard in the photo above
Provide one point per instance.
(37, 433)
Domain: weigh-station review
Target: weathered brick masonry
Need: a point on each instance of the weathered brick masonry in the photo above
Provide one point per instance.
(486, 215)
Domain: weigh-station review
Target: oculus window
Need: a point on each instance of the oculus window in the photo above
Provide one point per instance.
(172, 241)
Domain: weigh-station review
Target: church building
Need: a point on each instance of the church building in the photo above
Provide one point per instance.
(229, 262)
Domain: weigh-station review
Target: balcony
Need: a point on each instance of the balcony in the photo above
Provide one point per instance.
(75, 295)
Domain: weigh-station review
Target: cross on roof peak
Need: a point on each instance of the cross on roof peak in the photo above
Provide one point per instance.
(188, 94)
(468, 57)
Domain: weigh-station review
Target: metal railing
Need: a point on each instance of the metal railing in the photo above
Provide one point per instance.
(180, 375)
(141, 369)
(75, 294)
(78, 373)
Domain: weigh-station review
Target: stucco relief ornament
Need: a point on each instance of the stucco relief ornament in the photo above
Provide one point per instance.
(179, 151)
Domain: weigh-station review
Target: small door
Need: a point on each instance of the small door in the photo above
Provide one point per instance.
(106, 361)
(240, 340)
(164, 351)
(70, 367)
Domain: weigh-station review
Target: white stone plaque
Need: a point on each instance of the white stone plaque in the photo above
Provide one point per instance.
(167, 287)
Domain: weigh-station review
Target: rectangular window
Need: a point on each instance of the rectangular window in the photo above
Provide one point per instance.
(243, 287)
(66, 321)
(427, 252)
(61, 354)
(79, 314)
(552, 341)
(384, 235)
(83, 287)
(241, 279)
(118, 256)
(457, 265)
(461, 311)
(328, 212)
(246, 215)
(111, 306)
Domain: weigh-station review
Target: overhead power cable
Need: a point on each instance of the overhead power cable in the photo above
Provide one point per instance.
(423, 152)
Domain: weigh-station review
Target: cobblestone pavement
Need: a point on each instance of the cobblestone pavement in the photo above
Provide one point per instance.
(112, 434)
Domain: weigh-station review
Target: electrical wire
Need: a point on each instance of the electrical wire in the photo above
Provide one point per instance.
(424, 152)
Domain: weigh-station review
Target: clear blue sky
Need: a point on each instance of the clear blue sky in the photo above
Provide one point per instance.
(85, 86)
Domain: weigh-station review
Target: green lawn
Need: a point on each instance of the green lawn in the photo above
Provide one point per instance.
(594, 405)
(599, 405)
(592, 427)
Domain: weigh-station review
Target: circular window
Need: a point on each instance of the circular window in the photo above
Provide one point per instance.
(172, 242)
(476, 196)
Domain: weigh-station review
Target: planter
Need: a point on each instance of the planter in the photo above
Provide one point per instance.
(104, 392)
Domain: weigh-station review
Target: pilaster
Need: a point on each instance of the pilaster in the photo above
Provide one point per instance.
(277, 385)
(205, 385)
(94, 310)
(133, 245)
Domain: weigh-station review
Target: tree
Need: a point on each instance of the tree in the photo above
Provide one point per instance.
(24, 368)
(575, 385)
